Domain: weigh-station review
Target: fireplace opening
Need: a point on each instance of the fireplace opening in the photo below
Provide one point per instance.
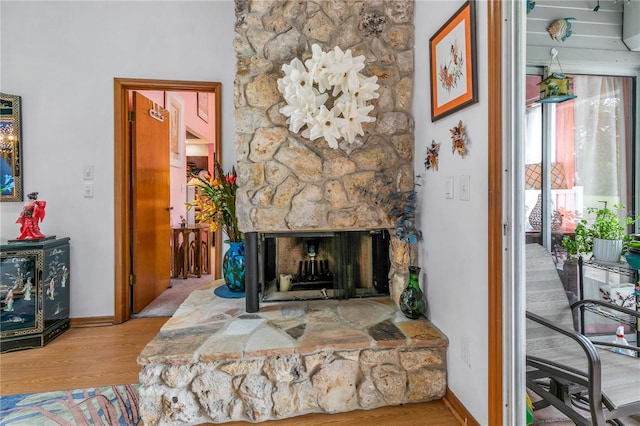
(320, 265)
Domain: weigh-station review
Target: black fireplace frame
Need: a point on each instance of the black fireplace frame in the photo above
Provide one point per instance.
(257, 245)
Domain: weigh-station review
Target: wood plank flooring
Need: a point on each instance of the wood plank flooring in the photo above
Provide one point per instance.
(98, 356)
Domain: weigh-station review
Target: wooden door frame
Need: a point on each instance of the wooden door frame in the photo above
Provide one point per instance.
(123, 175)
(494, 247)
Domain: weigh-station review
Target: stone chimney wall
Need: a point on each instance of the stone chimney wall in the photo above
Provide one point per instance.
(290, 183)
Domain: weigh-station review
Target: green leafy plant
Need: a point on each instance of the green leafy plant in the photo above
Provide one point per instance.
(608, 224)
(578, 244)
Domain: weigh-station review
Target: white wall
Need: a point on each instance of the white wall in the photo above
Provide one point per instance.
(453, 253)
(62, 57)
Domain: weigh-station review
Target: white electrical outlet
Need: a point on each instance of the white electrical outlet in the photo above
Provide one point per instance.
(465, 352)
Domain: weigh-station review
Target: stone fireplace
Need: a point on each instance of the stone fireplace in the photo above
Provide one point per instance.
(290, 184)
(307, 212)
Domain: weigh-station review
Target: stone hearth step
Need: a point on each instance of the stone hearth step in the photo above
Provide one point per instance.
(213, 362)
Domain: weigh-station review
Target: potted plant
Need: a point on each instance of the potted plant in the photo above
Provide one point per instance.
(217, 206)
(607, 232)
(577, 246)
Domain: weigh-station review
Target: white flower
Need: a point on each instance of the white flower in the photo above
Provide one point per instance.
(368, 90)
(307, 87)
(344, 71)
(295, 75)
(297, 109)
(318, 66)
(354, 116)
(325, 124)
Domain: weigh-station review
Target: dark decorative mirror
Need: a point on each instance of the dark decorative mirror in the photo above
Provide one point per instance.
(10, 148)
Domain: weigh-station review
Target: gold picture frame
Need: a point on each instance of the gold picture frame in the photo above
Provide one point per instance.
(10, 148)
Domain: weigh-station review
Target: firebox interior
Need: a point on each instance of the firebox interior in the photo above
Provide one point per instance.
(322, 265)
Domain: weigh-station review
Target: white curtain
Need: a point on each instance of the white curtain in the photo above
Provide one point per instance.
(600, 138)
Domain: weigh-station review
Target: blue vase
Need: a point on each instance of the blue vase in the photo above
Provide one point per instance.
(233, 266)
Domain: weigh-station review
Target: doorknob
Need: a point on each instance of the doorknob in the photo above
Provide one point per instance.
(169, 208)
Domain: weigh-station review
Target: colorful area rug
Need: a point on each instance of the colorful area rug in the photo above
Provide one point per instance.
(106, 405)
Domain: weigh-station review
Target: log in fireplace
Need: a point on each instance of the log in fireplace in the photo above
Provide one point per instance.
(315, 265)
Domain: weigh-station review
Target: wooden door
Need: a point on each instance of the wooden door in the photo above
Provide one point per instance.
(151, 225)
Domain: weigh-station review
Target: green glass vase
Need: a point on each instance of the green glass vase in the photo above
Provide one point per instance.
(412, 299)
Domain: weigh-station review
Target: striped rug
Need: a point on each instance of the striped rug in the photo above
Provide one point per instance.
(106, 405)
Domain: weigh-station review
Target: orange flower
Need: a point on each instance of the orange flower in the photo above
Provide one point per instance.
(217, 202)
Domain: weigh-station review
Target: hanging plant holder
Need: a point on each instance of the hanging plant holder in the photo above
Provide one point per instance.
(556, 87)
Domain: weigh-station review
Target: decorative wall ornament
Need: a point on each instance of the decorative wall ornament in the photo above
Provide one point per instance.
(431, 161)
(530, 6)
(560, 30)
(556, 87)
(328, 95)
(459, 140)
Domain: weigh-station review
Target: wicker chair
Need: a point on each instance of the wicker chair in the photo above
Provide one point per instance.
(565, 368)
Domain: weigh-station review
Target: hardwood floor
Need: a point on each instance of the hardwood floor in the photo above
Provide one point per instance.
(97, 356)
(80, 357)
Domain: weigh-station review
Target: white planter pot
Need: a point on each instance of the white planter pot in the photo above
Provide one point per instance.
(607, 250)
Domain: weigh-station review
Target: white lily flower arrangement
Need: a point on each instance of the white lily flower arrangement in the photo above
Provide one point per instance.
(328, 95)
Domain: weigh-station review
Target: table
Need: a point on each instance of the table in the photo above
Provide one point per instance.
(620, 268)
(191, 254)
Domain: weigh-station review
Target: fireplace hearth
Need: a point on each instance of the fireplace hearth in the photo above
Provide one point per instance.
(285, 266)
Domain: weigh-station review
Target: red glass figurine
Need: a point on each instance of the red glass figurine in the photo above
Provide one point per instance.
(30, 217)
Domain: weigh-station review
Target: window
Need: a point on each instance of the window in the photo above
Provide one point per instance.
(585, 147)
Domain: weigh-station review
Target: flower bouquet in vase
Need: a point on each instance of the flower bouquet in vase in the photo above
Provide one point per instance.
(217, 206)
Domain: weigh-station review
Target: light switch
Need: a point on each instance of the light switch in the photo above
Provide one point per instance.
(88, 190)
(465, 187)
(87, 172)
(448, 188)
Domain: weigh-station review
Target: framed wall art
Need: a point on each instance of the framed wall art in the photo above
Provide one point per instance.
(177, 134)
(10, 148)
(452, 57)
(203, 106)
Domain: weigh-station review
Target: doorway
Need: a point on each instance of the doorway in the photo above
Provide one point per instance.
(124, 178)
